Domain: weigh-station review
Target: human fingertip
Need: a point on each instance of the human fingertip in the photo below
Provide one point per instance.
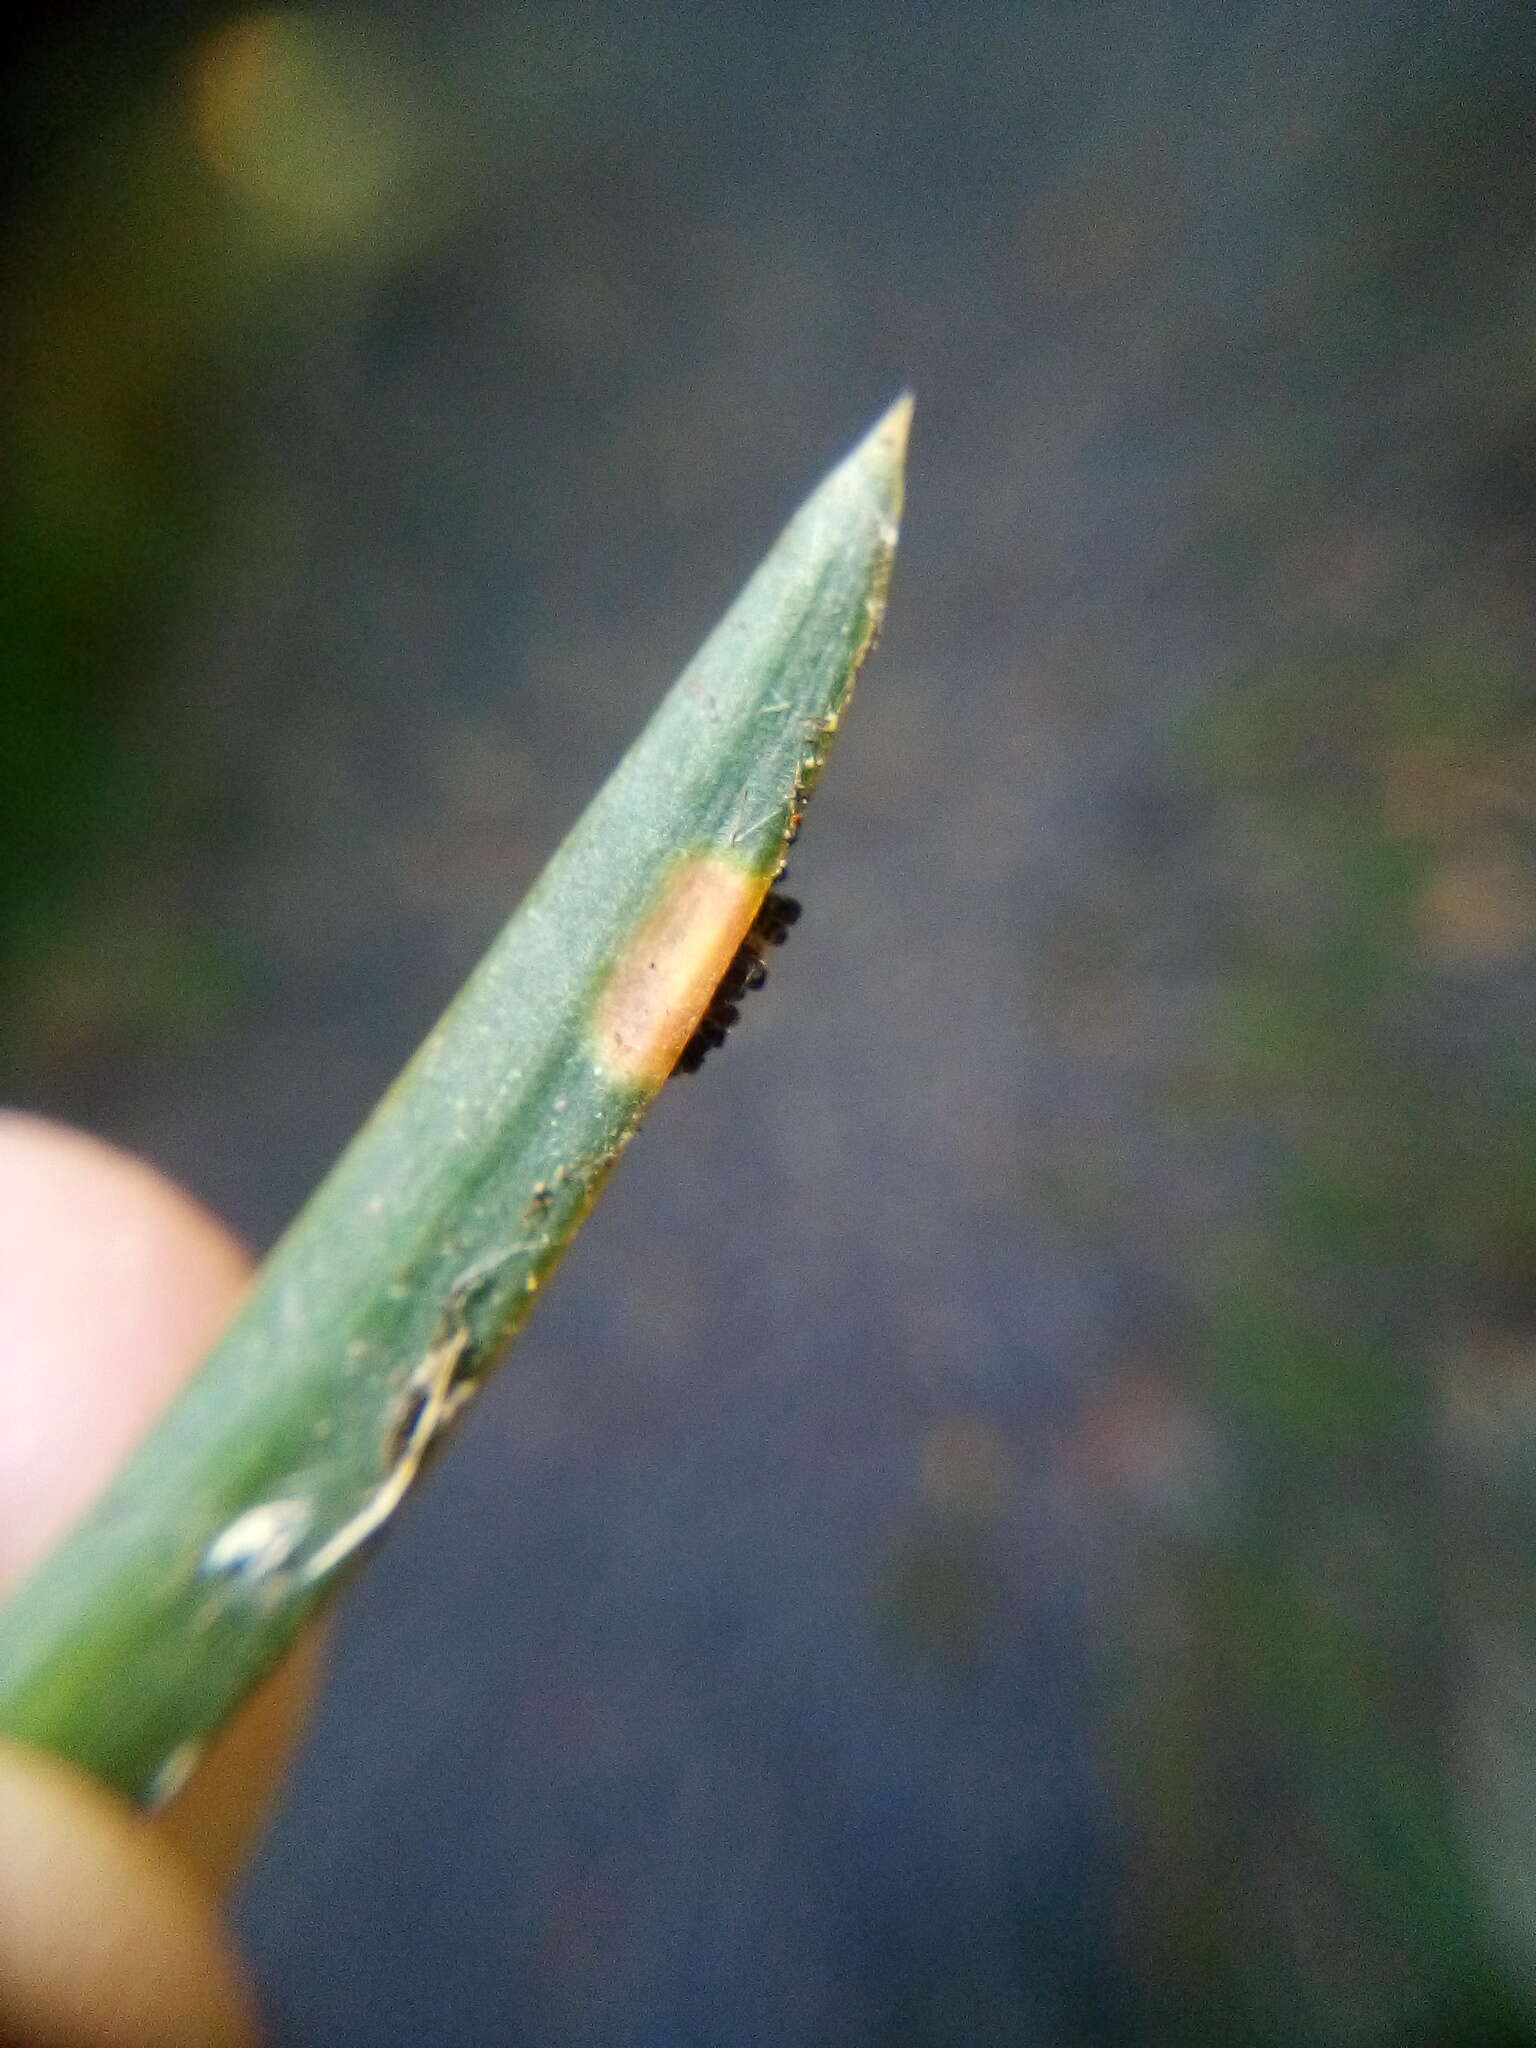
(106, 1938)
(114, 1281)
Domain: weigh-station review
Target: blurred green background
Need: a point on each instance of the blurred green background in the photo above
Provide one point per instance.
(1016, 1524)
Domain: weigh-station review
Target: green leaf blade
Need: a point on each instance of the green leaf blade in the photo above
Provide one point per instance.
(423, 1251)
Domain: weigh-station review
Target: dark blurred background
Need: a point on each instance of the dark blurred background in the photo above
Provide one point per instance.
(1017, 1523)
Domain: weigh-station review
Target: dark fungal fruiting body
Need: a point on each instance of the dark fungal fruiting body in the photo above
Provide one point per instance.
(747, 970)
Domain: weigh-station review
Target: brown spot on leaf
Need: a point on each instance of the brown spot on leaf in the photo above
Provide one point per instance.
(664, 978)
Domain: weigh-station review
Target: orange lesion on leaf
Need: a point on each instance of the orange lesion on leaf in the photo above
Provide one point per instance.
(663, 980)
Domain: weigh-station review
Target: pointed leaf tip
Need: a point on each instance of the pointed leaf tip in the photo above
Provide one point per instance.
(890, 432)
(873, 475)
(883, 450)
